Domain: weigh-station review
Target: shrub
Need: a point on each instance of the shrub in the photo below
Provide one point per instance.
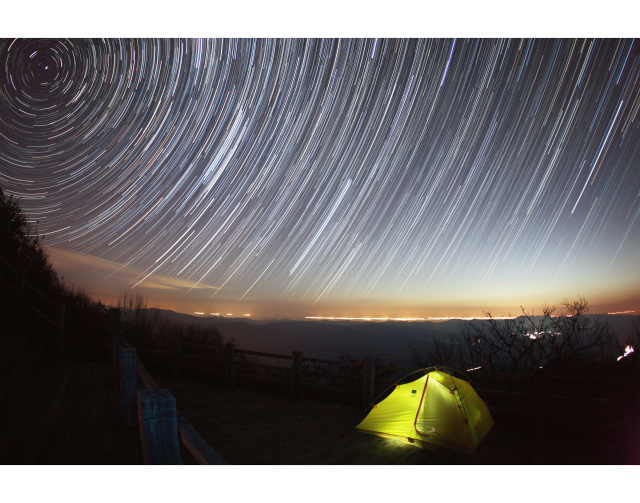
(563, 343)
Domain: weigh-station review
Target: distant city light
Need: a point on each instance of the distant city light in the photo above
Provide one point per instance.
(335, 318)
(626, 312)
(627, 351)
(229, 314)
(246, 315)
(198, 312)
(473, 318)
(215, 314)
(535, 335)
(476, 368)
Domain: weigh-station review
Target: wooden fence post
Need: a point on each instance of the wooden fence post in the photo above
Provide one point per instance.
(128, 382)
(158, 427)
(60, 330)
(175, 357)
(118, 338)
(541, 410)
(296, 375)
(368, 381)
(20, 298)
(230, 365)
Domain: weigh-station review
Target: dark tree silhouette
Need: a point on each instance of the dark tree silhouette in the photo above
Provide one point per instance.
(21, 246)
(561, 342)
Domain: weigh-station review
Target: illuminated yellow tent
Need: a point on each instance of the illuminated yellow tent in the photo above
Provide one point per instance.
(436, 408)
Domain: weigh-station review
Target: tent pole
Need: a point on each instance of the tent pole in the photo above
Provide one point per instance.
(466, 416)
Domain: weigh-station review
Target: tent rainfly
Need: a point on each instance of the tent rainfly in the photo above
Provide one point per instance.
(437, 408)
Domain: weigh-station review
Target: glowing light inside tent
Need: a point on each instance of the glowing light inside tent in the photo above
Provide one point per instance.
(627, 351)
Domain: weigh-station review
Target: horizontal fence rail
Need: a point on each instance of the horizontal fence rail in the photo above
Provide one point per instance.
(235, 362)
(319, 369)
(259, 353)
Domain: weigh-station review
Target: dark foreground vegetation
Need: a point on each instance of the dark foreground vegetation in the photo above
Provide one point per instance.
(562, 342)
(88, 323)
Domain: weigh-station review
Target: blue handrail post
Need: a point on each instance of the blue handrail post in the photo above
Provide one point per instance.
(158, 427)
(296, 375)
(230, 365)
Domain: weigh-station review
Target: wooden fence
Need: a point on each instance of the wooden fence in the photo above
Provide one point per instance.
(534, 396)
(41, 306)
(294, 370)
(162, 426)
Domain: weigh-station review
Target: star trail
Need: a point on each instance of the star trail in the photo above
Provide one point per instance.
(356, 178)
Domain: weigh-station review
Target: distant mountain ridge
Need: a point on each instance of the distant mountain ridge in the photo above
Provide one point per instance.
(389, 340)
(320, 339)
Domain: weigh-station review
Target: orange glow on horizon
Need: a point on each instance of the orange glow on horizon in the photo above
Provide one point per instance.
(361, 319)
(473, 318)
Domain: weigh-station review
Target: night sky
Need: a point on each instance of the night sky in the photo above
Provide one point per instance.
(287, 178)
